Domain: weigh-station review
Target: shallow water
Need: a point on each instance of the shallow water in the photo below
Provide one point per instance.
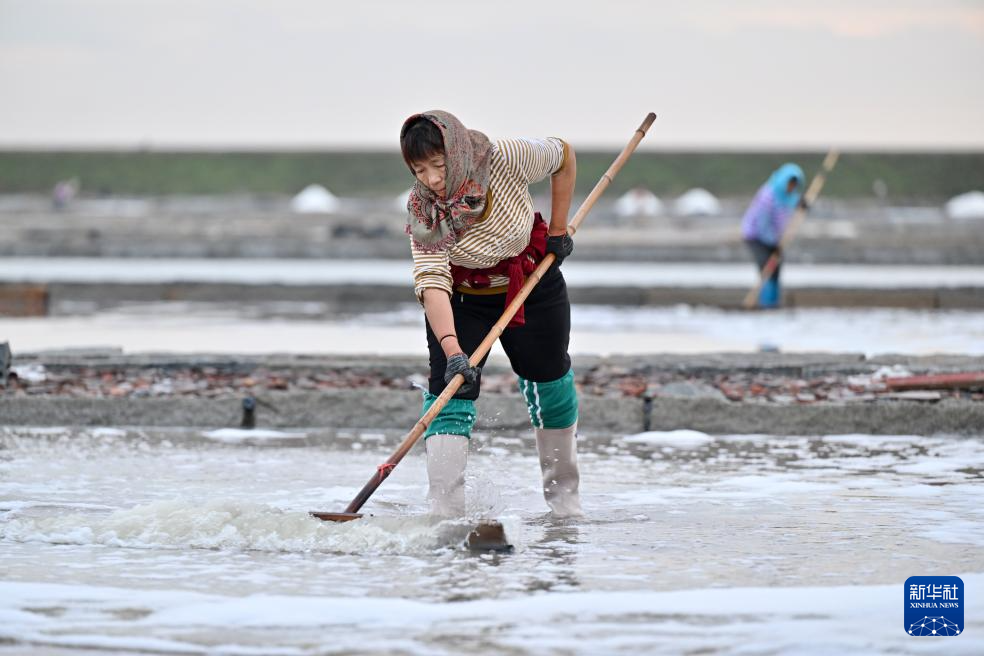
(397, 272)
(180, 541)
(318, 328)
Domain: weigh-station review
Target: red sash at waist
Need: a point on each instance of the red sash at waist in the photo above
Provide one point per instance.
(515, 268)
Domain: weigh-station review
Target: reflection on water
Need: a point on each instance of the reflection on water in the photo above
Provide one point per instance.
(558, 546)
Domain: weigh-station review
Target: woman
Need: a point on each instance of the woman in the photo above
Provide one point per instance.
(474, 237)
(766, 219)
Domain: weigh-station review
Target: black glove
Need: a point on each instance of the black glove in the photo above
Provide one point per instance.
(803, 204)
(561, 246)
(458, 364)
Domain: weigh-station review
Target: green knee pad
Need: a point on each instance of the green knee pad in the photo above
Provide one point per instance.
(455, 418)
(552, 404)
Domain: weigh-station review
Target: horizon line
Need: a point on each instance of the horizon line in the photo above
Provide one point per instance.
(184, 147)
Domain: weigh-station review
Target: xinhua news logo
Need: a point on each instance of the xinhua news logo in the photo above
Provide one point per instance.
(934, 606)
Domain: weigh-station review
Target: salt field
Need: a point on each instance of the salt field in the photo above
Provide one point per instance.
(183, 541)
(755, 354)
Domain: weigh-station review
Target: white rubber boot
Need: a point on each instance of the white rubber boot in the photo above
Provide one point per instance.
(558, 462)
(446, 458)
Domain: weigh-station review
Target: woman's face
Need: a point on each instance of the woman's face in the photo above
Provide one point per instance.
(791, 185)
(431, 173)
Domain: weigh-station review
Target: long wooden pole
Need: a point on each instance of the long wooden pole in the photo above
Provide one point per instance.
(811, 194)
(476, 357)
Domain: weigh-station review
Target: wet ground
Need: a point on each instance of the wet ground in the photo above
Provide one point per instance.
(315, 328)
(181, 541)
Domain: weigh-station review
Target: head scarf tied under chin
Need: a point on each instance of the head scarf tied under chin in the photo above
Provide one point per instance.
(434, 223)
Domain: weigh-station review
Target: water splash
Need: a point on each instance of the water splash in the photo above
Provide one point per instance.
(234, 525)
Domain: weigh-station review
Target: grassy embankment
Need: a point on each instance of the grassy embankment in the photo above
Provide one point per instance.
(909, 177)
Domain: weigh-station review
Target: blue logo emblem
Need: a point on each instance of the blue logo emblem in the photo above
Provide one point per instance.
(934, 606)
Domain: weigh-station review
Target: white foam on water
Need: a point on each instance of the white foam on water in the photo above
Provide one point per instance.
(236, 525)
(808, 619)
(235, 435)
(940, 466)
(15, 506)
(776, 486)
(40, 431)
(681, 439)
(915, 491)
(106, 431)
(861, 439)
(656, 497)
(954, 531)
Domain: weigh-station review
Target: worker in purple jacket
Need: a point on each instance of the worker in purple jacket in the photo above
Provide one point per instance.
(765, 221)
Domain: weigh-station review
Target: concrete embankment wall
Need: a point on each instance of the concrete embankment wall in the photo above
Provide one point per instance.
(375, 406)
(387, 409)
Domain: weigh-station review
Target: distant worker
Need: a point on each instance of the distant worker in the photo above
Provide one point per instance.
(64, 193)
(765, 222)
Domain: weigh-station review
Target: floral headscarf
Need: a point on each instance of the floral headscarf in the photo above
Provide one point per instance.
(435, 223)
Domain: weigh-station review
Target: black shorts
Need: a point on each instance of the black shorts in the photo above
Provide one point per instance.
(762, 252)
(537, 350)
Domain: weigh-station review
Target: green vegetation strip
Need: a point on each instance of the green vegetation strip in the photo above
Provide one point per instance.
(907, 176)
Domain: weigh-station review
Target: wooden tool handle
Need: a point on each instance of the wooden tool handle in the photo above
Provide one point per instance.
(476, 357)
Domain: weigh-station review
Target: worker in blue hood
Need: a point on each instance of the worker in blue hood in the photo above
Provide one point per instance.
(765, 222)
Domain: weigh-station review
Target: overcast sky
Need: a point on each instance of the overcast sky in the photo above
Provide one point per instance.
(896, 74)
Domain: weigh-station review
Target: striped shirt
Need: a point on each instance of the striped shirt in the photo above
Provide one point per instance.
(504, 230)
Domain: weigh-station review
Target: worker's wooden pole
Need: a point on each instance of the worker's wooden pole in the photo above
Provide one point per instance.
(351, 512)
(810, 196)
